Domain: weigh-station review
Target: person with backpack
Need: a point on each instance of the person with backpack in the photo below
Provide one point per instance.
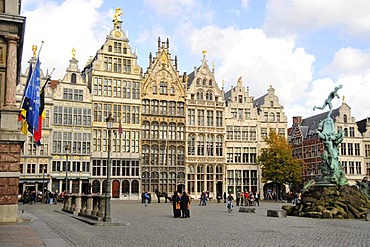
(146, 198)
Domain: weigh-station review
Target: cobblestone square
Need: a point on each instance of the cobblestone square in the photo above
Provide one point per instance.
(209, 225)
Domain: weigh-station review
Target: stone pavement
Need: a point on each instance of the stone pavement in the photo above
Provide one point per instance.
(154, 225)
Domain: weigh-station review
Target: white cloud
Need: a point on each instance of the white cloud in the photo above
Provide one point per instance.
(169, 7)
(260, 60)
(348, 61)
(47, 22)
(245, 3)
(285, 16)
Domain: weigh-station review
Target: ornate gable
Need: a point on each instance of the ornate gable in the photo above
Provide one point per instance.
(162, 77)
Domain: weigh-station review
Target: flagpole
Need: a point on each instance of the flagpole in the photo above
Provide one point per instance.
(47, 80)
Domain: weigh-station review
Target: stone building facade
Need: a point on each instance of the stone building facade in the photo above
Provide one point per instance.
(171, 131)
(12, 27)
(248, 122)
(71, 117)
(114, 80)
(163, 122)
(205, 133)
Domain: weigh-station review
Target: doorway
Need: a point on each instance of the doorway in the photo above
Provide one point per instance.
(115, 189)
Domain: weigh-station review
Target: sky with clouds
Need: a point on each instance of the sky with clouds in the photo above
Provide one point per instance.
(302, 48)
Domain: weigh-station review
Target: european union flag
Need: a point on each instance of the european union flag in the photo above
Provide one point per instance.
(32, 98)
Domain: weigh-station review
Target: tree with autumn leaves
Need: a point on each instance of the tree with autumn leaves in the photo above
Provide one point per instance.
(277, 162)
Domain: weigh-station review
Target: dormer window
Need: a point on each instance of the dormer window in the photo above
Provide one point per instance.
(73, 78)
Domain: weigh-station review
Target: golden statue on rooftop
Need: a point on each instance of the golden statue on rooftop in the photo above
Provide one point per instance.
(116, 15)
(73, 52)
(34, 49)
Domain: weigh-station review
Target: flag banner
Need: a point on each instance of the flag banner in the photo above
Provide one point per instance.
(32, 98)
(24, 106)
(37, 133)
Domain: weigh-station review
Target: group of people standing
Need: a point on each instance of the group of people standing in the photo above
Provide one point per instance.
(247, 198)
(48, 197)
(181, 204)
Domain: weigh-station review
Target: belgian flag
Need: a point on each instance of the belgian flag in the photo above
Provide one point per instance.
(24, 107)
(37, 133)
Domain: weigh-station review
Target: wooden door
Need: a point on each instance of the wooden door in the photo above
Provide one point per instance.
(115, 189)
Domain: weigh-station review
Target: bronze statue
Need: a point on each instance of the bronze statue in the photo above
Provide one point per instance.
(331, 96)
(331, 169)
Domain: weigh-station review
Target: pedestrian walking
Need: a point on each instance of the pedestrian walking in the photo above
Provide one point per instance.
(146, 199)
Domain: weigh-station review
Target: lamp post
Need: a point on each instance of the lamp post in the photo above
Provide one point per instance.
(43, 182)
(67, 148)
(109, 120)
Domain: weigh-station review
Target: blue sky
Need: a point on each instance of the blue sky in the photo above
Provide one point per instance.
(302, 48)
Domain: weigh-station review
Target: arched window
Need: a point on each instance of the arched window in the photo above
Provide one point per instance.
(154, 131)
(172, 156)
(272, 117)
(73, 78)
(145, 130)
(125, 186)
(104, 186)
(135, 186)
(204, 81)
(210, 83)
(200, 145)
(345, 132)
(154, 107)
(163, 131)
(180, 132)
(191, 144)
(210, 145)
(209, 95)
(95, 186)
(172, 91)
(345, 118)
(200, 169)
(154, 155)
(145, 155)
(219, 141)
(181, 156)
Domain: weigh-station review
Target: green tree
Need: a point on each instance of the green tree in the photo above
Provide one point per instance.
(277, 162)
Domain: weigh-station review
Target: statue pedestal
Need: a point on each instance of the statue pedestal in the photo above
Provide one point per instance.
(323, 183)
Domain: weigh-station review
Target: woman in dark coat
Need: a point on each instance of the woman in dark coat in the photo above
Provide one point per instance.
(176, 204)
(185, 201)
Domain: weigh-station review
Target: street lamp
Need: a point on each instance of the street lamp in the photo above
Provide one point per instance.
(109, 120)
(67, 148)
(43, 181)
